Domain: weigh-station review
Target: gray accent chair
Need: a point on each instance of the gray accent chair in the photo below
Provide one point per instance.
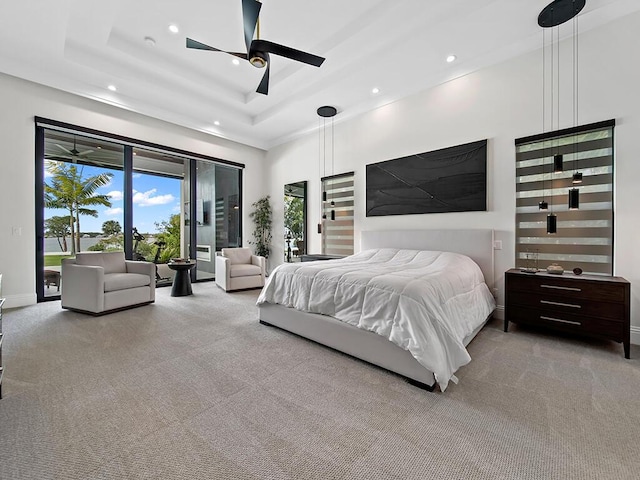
(98, 283)
(239, 269)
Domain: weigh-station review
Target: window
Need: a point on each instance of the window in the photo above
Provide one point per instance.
(584, 236)
(337, 227)
(103, 192)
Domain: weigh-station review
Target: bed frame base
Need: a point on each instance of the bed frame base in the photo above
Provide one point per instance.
(346, 338)
(411, 381)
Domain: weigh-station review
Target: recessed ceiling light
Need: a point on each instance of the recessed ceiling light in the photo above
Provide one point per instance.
(216, 123)
(173, 28)
(150, 41)
(451, 58)
(235, 61)
(375, 90)
(112, 88)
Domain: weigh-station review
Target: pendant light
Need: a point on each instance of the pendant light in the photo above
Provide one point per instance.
(325, 112)
(553, 15)
(558, 163)
(574, 193)
(574, 199)
(543, 205)
(552, 223)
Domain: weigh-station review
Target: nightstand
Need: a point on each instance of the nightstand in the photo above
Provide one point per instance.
(585, 305)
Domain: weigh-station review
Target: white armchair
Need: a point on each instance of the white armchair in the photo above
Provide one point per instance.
(97, 283)
(238, 268)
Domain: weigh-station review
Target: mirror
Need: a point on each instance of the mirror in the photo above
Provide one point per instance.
(295, 221)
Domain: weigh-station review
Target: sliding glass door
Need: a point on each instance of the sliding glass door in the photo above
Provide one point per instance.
(157, 187)
(82, 199)
(217, 213)
(154, 203)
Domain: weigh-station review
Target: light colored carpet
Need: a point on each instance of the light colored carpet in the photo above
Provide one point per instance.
(195, 388)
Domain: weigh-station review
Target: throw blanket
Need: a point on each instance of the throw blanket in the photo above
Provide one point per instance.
(424, 302)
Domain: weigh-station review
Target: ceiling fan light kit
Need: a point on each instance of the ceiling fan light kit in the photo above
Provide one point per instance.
(258, 50)
(259, 60)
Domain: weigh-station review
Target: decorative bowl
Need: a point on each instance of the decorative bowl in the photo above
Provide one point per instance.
(555, 269)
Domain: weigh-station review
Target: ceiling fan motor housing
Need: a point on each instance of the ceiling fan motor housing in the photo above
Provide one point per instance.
(258, 59)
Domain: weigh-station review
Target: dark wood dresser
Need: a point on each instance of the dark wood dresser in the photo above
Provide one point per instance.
(585, 305)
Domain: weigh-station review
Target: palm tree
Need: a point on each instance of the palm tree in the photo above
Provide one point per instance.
(71, 191)
(58, 227)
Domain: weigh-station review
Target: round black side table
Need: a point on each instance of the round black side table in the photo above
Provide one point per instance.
(181, 282)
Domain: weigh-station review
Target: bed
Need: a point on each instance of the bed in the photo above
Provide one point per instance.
(426, 338)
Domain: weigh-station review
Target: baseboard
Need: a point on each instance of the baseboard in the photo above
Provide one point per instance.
(499, 312)
(14, 301)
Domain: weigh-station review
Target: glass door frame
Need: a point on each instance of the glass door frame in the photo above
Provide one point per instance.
(42, 124)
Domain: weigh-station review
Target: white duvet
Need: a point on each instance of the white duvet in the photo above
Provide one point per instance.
(425, 302)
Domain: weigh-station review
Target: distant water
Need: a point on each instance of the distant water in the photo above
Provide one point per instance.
(51, 244)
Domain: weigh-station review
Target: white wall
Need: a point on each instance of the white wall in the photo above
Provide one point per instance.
(20, 102)
(500, 103)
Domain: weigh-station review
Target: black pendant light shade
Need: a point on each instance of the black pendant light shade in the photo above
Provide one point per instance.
(560, 11)
(577, 177)
(333, 214)
(319, 228)
(574, 199)
(557, 163)
(552, 223)
(324, 196)
(543, 205)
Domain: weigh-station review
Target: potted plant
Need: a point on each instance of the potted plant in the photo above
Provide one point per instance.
(261, 216)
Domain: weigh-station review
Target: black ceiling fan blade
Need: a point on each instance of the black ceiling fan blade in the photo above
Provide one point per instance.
(201, 46)
(250, 13)
(263, 88)
(288, 52)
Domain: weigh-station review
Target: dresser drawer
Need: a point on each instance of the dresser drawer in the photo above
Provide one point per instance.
(567, 322)
(560, 303)
(567, 287)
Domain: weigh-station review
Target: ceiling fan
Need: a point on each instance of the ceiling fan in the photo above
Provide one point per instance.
(258, 50)
(74, 154)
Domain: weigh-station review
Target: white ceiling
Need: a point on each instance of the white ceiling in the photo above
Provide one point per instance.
(398, 46)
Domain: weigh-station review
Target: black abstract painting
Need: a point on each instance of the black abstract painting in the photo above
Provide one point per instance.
(448, 180)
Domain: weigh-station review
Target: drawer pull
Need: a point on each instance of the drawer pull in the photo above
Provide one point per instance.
(560, 304)
(559, 320)
(573, 289)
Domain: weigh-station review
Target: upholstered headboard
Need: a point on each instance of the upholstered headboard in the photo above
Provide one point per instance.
(477, 244)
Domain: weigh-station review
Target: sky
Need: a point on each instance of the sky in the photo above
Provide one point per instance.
(155, 199)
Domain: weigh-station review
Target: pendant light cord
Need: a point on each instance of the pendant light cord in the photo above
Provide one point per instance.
(575, 88)
(544, 96)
